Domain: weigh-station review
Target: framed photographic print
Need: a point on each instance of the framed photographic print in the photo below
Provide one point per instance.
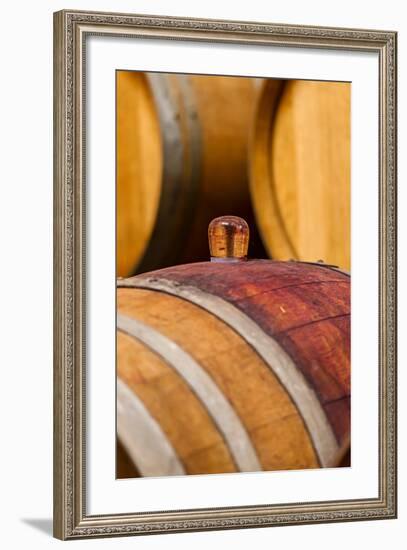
(225, 274)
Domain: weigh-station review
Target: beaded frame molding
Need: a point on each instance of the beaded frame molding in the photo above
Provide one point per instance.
(70, 518)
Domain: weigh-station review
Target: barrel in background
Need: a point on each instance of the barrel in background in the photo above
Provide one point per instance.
(182, 159)
(300, 170)
(139, 168)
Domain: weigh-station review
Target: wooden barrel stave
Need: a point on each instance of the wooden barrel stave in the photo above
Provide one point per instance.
(189, 428)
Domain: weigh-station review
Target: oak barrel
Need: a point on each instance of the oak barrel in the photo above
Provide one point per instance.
(300, 170)
(182, 159)
(230, 366)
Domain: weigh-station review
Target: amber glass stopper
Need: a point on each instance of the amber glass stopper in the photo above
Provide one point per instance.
(228, 239)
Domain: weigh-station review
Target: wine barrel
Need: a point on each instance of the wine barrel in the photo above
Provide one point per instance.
(300, 170)
(182, 156)
(228, 366)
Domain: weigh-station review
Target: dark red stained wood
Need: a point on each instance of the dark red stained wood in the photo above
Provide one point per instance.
(305, 307)
(294, 306)
(322, 349)
(242, 279)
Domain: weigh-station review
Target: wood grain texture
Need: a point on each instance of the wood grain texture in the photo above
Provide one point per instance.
(176, 408)
(300, 170)
(201, 384)
(304, 307)
(271, 420)
(273, 355)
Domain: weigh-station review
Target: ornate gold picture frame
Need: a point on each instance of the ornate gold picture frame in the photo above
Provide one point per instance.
(71, 31)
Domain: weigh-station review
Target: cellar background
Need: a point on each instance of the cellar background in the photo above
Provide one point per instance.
(190, 148)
